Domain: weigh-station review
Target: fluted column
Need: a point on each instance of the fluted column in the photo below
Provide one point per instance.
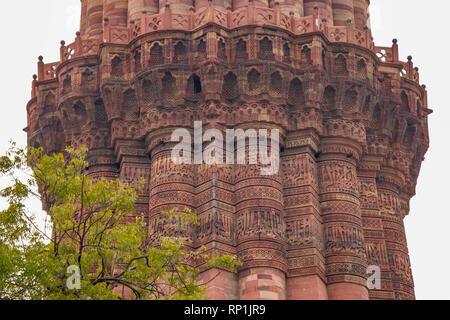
(215, 210)
(341, 212)
(171, 186)
(102, 164)
(389, 184)
(139, 8)
(260, 229)
(134, 168)
(304, 232)
(361, 12)
(95, 19)
(342, 12)
(374, 236)
(116, 11)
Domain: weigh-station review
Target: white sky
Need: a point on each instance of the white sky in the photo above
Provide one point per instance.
(421, 28)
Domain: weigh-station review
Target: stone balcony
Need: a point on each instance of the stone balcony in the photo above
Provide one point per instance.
(247, 16)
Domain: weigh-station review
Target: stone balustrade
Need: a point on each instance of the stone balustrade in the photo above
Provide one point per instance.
(246, 16)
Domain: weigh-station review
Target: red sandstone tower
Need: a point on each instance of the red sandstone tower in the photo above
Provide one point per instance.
(352, 120)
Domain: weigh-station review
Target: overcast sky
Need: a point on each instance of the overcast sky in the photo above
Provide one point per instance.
(421, 28)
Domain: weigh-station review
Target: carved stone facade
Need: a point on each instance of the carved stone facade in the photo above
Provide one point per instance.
(353, 134)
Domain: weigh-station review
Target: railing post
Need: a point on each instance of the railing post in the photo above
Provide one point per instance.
(144, 23)
(62, 53)
(410, 70)
(394, 50)
(316, 19)
(78, 45)
(34, 86)
(416, 75)
(167, 17)
(325, 27)
(291, 14)
(251, 12)
(41, 68)
(350, 31)
(277, 13)
(191, 17)
(210, 14)
(425, 97)
(229, 17)
(367, 35)
(106, 33)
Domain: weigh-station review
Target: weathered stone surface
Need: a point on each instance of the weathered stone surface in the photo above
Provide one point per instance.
(352, 120)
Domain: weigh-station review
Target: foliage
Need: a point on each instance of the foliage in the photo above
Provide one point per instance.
(91, 230)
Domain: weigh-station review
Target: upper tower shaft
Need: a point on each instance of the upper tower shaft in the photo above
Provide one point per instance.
(348, 121)
(95, 14)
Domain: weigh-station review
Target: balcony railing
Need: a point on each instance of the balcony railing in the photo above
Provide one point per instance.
(247, 16)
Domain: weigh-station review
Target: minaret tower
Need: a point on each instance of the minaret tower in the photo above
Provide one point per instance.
(352, 121)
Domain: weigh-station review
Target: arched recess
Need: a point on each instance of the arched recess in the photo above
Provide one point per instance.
(404, 102)
(156, 55)
(324, 58)
(340, 65)
(305, 56)
(147, 91)
(230, 88)
(419, 109)
(377, 117)
(100, 116)
(351, 100)
(361, 70)
(286, 53)
(253, 80)
(329, 98)
(67, 84)
(117, 67)
(60, 137)
(180, 53)
(222, 50)
(168, 86)
(201, 50)
(399, 129)
(49, 102)
(366, 107)
(266, 49)
(131, 106)
(194, 87)
(296, 94)
(409, 136)
(79, 116)
(87, 78)
(241, 51)
(276, 83)
(137, 61)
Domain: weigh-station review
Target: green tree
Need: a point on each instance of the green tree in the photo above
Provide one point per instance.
(93, 251)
